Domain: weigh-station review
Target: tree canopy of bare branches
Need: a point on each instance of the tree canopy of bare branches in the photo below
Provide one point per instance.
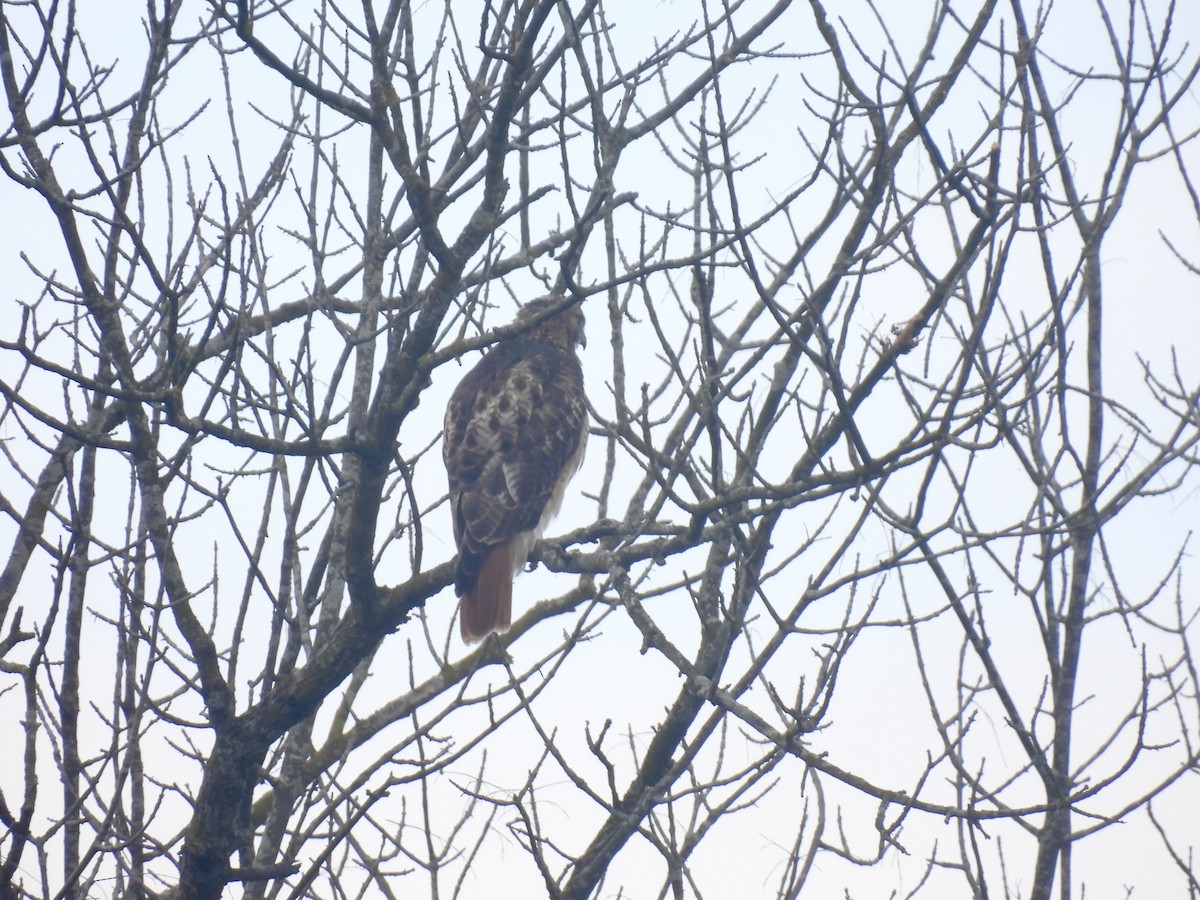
(876, 580)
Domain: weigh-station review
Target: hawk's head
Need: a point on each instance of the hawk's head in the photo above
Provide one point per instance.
(564, 328)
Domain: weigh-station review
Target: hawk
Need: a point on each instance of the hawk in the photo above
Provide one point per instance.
(516, 427)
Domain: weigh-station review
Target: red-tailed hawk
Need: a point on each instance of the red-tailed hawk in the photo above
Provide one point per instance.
(515, 432)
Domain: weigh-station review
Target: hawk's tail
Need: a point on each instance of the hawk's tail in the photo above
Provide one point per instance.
(487, 604)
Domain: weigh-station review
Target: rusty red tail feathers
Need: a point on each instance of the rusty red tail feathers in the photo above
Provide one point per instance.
(487, 604)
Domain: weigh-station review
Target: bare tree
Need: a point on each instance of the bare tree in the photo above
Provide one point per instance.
(876, 580)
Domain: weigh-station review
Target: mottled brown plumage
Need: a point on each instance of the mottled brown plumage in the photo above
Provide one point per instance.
(516, 426)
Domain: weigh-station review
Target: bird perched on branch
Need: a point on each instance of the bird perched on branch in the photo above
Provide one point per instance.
(516, 427)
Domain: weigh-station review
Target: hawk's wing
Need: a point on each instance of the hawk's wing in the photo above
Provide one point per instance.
(515, 430)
